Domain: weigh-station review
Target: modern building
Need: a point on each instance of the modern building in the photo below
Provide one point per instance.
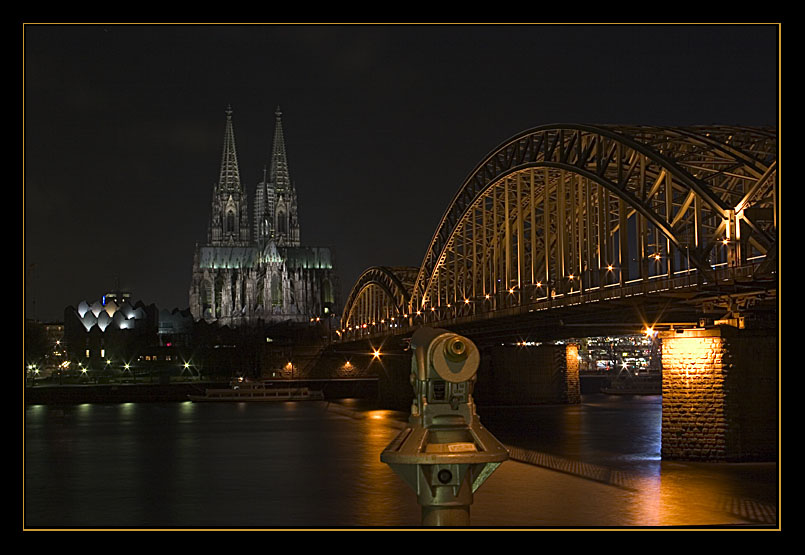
(259, 271)
(113, 333)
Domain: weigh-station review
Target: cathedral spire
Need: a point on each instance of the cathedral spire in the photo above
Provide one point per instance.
(283, 210)
(280, 175)
(230, 174)
(229, 218)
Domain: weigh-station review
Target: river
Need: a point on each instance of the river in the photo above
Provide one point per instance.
(316, 465)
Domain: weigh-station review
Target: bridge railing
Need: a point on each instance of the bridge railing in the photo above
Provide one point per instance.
(505, 303)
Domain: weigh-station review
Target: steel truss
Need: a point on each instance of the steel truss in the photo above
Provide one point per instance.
(569, 208)
(381, 294)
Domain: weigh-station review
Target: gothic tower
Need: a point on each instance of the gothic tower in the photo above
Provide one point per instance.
(229, 218)
(259, 273)
(281, 191)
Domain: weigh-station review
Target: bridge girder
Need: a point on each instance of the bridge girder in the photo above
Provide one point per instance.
(550, 204)
(381, 292)
(605, 212)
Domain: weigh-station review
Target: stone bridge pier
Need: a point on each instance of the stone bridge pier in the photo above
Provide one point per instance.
(507, 375)
(513, 375)
(720, 394)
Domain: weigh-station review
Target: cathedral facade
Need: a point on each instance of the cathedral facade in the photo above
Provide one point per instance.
(248, 272)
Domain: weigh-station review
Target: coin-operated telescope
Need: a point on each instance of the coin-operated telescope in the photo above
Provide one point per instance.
(444, 453)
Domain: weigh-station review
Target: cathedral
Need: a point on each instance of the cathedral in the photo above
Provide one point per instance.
(259, 271)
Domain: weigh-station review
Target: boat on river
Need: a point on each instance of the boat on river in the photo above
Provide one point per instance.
(258, 392)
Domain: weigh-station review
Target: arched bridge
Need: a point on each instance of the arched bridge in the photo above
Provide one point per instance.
(588, 221)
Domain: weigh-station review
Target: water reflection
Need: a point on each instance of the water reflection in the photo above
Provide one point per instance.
(318, 465)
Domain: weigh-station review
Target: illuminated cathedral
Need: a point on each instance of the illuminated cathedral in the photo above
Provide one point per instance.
(259, 271)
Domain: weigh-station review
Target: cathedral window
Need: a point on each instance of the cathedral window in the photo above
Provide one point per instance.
(230, 222)
(282, 223)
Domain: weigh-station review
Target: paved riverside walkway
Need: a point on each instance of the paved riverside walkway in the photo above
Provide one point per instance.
(538, 489)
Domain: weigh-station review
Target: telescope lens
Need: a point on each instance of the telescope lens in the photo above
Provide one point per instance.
(456, 349)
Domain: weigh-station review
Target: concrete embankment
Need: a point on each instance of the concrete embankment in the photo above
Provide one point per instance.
(119, 393)
(143, 393)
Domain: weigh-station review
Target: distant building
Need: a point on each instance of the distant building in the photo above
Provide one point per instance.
(246, 273)
(54, 332)
(112, 333)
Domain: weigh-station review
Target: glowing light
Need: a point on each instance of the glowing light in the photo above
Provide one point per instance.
(610, 267)
(466, 301)
(511, 290)
(487, 295)
(376, 354)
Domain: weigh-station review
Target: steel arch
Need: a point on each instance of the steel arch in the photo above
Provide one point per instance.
(694, 185)
(381, 292)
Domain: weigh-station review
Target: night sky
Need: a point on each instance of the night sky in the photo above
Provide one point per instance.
(124, 126)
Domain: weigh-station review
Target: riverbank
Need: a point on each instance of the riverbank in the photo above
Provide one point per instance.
(178, 391)
(114, 393)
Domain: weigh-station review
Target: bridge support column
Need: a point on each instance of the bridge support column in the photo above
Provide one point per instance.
(719, 394)
(394, 380)
(512, 375)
